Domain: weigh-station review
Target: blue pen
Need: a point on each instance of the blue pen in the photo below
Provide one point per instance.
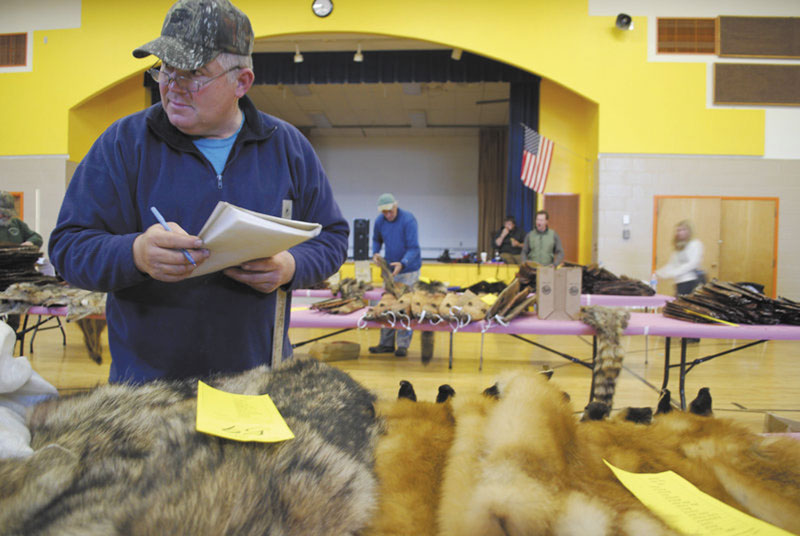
(163, 223)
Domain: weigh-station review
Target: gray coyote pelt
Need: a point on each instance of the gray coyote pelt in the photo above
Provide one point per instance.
(127, 460)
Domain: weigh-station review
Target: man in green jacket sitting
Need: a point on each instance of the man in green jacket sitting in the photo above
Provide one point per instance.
(542, 244)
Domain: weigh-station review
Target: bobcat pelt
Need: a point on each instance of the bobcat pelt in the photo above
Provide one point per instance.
(127, 460)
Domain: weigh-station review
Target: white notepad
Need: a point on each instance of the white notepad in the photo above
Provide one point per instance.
(235, 235)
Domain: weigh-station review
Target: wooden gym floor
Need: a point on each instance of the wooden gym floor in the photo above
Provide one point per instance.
(744, 385)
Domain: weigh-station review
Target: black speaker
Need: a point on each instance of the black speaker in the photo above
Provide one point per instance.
(360, 239)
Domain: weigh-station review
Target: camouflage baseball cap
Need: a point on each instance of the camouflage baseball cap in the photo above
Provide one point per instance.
(6, 200)
(196, 31)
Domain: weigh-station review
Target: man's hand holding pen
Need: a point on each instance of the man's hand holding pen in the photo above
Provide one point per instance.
(157, 252)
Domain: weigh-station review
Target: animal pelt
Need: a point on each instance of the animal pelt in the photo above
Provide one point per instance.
(395, 287)
(517, 467)
(127, 460)
(609, 324)
(377, 311)
(409, 463)
(426, 297)
(756, 474)
(463, 468)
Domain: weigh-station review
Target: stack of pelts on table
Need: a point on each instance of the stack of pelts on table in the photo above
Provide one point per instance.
(127, 460)
(517, 296)
(17, 264)
(348, 297)
(598, 280)
(738, 303)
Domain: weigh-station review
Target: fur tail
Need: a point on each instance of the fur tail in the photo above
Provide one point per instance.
(609, 325)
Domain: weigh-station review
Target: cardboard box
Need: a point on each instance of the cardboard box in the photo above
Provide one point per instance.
(363, 271)
(335, 351)
(558, 292)
(775, 424)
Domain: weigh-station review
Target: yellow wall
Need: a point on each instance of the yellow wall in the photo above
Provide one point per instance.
(571, 122)
(642, 107)
(92, 117)
(451, 274)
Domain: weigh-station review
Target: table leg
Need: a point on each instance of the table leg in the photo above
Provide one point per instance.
(21, 335)
(682, 379)
(450, 365)
(594, 362)
(665, 382)
(480, 363)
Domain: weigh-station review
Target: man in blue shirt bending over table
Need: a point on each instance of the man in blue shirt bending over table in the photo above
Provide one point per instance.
(397, 230)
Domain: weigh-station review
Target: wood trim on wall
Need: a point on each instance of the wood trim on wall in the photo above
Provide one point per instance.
(19, 204)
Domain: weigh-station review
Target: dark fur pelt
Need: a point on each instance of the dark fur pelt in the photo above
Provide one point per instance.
(127, 460)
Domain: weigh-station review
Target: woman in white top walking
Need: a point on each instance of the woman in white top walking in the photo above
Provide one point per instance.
(684, 264)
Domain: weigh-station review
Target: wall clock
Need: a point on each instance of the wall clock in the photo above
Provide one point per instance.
(322, 8)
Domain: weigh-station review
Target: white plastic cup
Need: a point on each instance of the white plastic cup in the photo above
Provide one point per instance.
(484, 256)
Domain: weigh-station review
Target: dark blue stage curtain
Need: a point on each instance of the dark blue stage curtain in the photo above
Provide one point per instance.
(524, 108)
(386, 66)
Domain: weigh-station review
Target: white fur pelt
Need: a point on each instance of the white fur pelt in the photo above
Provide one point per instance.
(127, 460)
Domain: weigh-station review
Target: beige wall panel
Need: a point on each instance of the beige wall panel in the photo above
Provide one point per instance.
(29, 174)
(748, 240)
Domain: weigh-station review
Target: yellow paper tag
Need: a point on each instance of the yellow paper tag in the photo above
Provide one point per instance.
(688, 510)
(489, 299)
(299, 309)
(426, 280)
(239, 417)
(491, 280)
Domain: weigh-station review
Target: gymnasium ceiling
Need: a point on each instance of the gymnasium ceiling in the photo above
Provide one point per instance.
(435, 108)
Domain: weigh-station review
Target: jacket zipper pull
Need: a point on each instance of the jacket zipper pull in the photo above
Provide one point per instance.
(219, 182)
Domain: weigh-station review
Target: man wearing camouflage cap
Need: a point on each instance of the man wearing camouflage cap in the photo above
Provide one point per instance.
(12, 229)
(204, 142)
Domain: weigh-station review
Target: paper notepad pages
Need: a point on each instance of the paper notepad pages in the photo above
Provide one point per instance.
(235, 235)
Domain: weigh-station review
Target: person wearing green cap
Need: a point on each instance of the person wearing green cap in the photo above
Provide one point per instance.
(203, 143)
(396, 230)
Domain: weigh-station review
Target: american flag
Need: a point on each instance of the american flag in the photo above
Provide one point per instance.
(537, 151)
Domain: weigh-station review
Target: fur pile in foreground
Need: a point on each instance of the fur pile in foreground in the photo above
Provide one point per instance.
(518, 467)
(127, 460)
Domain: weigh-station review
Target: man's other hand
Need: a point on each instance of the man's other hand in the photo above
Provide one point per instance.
(396, 267)
(265, 275)
(157, 252)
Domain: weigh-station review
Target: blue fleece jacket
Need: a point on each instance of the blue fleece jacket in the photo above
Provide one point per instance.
(401, 240)
(211, 323)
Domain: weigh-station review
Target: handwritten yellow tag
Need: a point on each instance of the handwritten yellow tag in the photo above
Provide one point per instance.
(239, 417)
(688, 510)
(489, 299)
(426, 280)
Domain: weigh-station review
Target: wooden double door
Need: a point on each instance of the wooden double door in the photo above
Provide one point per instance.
(739, 236)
